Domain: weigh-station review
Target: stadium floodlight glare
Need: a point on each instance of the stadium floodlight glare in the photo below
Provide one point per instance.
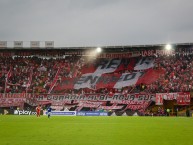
(98, 50)
(168, 47)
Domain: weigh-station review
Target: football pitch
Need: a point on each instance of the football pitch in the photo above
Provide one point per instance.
(30, 130)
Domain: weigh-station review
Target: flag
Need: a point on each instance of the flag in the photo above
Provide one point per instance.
(144, 63)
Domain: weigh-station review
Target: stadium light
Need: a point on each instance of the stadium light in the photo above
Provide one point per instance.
(168, 47)
(98, 50)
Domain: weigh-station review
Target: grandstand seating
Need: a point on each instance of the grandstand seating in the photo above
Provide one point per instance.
(39, 75)
(35, 75)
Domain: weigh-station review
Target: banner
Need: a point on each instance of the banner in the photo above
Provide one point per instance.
(144, 63)
(159, 99)
(91, 113)
(86, 81)
(107, 66)
(18, 44)
(7, 102)
(117, 55)
(107, 81)
(16, 95)
(24, 112)
(62, 113)
(148, 52)
(138, 106)
(112, 80)
(105, 76)
(150, 76)
(153, 52)
(32, 101)
(183, 98)
(90, 104)
(34, 44)
(89, 80)
(110, 107)
(116, 98)
(3, 44)
(165, 96)
(49, 44)
(128, 79)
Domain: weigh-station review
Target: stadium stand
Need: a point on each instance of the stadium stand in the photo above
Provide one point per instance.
(78, 75)
(36, 75)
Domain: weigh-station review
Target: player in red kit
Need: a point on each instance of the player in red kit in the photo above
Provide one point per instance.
(38, 109)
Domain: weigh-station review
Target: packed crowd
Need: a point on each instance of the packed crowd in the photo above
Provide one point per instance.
(40, 75)
(31, 74)
(178, 76)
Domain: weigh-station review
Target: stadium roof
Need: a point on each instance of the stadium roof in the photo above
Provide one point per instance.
(103, 47)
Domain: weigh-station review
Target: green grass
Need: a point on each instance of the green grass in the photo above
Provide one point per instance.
(30, 130)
